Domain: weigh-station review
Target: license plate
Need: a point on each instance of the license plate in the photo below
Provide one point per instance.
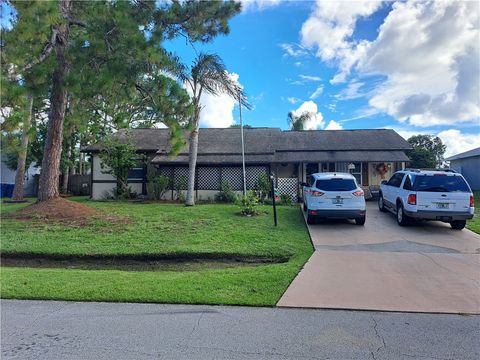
(442, 205)
(337, 201)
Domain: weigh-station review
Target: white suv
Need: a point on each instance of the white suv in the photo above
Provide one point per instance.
(427, 195)
(333, 196)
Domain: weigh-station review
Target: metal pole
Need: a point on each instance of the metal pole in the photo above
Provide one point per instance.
(273, 200)
(243, 146)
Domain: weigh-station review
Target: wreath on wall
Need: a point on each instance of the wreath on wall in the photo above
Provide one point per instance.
(382, 169)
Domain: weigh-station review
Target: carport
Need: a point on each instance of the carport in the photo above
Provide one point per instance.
(426, 267)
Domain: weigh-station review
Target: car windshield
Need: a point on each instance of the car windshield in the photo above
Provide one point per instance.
(336, 184)
(441, 183)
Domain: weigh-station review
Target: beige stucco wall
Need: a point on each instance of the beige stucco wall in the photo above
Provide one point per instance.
(98, 171)
(374, 178)
(286, 171)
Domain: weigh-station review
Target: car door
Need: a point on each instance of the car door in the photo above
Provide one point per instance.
(392, 189)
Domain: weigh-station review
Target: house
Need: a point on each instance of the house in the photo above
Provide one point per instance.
(7, 179)
(468, 164)
(370, 155)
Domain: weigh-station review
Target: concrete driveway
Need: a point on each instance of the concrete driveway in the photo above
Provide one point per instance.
(426, 267)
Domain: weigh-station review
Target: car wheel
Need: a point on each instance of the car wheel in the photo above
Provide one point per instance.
(360, 221)
(402, 219)
(458, 224)
(381, 205)
(305, 206)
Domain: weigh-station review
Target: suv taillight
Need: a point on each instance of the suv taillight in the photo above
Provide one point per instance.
(412, 199)
(472, 201)
(358, 193)
(316, 193)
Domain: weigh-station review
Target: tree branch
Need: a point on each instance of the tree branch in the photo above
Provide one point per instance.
(47, 50)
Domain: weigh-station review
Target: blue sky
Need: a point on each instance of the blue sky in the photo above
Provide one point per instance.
(285, 51)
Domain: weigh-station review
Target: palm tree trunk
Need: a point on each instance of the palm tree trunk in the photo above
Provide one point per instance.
(22, 155)
(192, 162)
(49, 176)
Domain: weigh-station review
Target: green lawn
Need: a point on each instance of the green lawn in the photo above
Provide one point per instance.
(160, 229)
(474, 224)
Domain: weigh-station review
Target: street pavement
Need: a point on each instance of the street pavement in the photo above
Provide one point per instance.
(69, 330)
(425, 267)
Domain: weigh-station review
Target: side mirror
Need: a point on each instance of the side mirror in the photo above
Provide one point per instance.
(384, 182)
(303, 184)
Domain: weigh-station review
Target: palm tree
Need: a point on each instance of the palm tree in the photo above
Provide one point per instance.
(208, 74)
(297, 122)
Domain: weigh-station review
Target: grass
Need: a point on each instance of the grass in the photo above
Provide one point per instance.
(163, 230)
(474, 224)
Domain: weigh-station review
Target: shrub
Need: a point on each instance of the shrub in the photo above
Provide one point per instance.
(157, 186)
(286, 199)
(263, 187)
(179, 185)
(249, 204)
(225, 195)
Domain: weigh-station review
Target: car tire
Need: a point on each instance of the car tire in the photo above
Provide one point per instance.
(310, 220)
(381, 204)
(360, 221)
(458, 224)
(305, 208)
(402, 219)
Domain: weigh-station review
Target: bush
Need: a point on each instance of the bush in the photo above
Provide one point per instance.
(263, 187)
(180, 184)
(157, 186)
(225, 195)
(286, 199)
(249, 204)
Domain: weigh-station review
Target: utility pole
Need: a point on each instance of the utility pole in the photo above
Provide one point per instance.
(243, 145)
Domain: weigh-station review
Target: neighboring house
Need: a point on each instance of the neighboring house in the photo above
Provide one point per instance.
(370, 155)
(468, 164)
(7, 179)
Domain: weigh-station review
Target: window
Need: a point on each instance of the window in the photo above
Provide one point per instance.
(136, 173)
(441, 183)
(356, 170)
(310, 180)
(407, 185)
(396, 180)
(336, 184)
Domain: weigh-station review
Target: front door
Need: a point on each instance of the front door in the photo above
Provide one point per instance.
(311, 168)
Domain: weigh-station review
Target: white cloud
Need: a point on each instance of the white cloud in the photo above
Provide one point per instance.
(333, 125)
(316, 118)
(352, 91)
(330, 27)
(428, 52)
(293, 100)
(455, 140)
(217, 110)
(258, 5)
(318, 91)
(293, 50)
(310, 77)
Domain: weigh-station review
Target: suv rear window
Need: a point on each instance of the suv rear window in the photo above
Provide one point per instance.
(337, 184)
(440, 183)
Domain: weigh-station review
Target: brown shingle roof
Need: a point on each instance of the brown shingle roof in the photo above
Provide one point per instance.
(266, 145)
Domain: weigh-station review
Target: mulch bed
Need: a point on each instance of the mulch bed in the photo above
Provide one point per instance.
(61, 210)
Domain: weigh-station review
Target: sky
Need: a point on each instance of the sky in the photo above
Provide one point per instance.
(410, 66)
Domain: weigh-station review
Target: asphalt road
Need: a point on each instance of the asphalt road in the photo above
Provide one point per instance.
(68, 330)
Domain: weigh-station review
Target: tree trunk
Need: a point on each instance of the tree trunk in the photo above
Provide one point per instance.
(192, 164)
(22, 154)
(66, 172)
(49, 176)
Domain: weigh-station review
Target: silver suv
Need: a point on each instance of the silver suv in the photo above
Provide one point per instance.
(441, 195)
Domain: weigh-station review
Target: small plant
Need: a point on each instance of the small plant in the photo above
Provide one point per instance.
(286, 199)
(157, 186)
(249, 204)
(263, 187)
(225, 195)
(180, 184)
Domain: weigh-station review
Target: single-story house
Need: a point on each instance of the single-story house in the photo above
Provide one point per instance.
(370, 155)
(468, 164)
(7, 179)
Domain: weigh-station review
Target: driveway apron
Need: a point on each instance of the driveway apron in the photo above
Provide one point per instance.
(426, 267)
